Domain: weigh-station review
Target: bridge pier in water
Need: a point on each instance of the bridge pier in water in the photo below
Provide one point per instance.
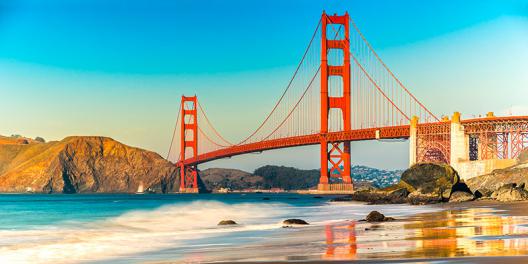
(337, 154)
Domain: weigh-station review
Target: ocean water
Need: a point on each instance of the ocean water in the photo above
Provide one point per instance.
(122, 228)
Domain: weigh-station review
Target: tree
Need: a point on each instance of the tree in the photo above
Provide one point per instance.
(39, 139)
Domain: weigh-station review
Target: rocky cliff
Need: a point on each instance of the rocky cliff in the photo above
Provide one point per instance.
(515, 174)
(82, 165)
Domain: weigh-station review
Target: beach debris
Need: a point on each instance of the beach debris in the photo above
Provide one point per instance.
(459, 196)
(227, 222)
(376, 216)
(294, 221)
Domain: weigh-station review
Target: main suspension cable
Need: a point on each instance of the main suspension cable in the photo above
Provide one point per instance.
(287, 88)
(387, 68)
(174, 132)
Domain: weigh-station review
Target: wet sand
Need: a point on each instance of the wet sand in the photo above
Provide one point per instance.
(471, 232)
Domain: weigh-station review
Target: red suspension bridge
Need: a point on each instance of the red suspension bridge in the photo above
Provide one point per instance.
(341, 91)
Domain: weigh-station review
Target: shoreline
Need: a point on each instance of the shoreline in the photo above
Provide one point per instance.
(466, 232)
(477, 231)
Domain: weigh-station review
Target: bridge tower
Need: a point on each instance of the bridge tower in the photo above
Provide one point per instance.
(189, 139)
(337, 154)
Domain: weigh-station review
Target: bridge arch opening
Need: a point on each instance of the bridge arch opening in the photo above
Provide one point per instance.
(434, 154)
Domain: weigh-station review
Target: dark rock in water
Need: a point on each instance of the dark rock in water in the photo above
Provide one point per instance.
(318, 197)
(265, 198)
(227, 222)
(460, 196)
(376, 216)
(431, 179)
(294, 221)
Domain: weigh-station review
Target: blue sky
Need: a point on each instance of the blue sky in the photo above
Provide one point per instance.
(117, 68)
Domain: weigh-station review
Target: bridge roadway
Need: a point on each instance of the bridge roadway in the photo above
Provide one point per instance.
(476, 125)
(392, 132)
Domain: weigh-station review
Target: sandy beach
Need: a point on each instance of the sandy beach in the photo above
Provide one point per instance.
(471, 232)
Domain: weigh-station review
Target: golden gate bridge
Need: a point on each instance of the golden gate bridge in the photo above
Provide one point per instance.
(342, 91)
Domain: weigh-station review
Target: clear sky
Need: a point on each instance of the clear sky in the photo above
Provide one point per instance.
(117, 68)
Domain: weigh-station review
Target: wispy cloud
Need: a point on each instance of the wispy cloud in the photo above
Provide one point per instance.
(515, 110)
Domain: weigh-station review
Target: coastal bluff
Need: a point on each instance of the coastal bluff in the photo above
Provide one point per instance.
(82, 165)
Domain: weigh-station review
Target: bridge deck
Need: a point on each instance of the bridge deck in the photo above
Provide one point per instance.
(392, 132)
(476, 125)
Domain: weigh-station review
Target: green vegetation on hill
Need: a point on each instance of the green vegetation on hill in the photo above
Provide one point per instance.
(266, 177)
(287, 178)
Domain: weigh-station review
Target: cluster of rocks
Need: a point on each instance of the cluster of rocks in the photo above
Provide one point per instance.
(286, 223)
(423, 183)
(427, 183)
(373, 216)
(505, 193)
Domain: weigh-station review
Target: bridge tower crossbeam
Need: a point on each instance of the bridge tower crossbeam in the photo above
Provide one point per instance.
(339, 154)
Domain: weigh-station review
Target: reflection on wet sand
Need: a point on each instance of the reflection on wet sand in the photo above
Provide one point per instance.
(451, 233)
(476, 232)
(344, 232)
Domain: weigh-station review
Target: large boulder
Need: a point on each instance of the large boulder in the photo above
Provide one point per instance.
(431, 179)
